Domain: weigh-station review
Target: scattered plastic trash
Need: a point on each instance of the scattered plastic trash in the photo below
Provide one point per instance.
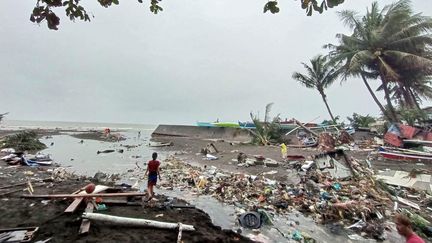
(297, 236)
(211, 157)
(337, 186)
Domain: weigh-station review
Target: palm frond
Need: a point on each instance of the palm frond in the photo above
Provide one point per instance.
(388, 71)
(267, 112)
(410, 61)
(306, 81)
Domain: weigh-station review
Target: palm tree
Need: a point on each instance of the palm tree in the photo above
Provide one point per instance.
(320, 75)
(266, 130)
(3, 115)
(383, 44)
(411, 90)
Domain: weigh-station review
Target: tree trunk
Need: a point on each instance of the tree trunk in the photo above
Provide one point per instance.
(383, 110)
(409, 102)
(328, 108)
(414, 98)
(392, 111)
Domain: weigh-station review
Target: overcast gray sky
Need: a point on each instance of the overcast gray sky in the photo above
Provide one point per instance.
(195, 61)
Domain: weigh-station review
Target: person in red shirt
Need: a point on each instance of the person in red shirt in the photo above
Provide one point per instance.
(153, 174)
(404, 228)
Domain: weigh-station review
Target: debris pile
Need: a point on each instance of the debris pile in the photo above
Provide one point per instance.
(332, 188)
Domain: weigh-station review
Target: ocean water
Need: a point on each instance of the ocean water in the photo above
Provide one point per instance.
(83, 158)
(17, 124)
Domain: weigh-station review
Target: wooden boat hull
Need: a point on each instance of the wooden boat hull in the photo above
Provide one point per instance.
(404, 155)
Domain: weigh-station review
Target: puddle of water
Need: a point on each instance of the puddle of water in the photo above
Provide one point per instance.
(221, 214)
(83, 158)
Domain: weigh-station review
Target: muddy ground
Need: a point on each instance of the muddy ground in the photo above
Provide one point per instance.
(53, 223)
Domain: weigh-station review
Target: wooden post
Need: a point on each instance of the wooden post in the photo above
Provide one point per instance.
(85, 224)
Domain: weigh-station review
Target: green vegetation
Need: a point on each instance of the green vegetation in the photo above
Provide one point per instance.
(320, 75)
(23, 141)
(267, 130)
(391, 45)
(360, 121)
(44, 9)
(412, 116)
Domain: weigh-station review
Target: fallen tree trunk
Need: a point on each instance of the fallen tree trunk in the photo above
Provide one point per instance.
(124, 221)
(128, 194)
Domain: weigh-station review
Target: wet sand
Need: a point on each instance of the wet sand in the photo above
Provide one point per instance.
(53, 223)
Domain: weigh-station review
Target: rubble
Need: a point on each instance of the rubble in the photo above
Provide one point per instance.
(324, 195)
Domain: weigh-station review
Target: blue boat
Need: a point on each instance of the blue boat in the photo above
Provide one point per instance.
(247, 125)
(205, 124)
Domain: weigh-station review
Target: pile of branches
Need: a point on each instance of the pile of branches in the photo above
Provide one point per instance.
(23, 141)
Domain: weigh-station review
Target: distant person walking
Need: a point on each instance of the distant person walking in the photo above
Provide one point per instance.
(153, 174)
(139, 134)
(404, 228)
(107, 132)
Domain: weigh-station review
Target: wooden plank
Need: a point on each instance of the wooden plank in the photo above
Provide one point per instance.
(122, 201)
(74, 205)
(127, 194)
(77, 201)
(10, 192)
(13, 185)
(85, 224)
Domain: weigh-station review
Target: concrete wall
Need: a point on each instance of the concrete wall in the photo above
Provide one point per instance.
(225, 133)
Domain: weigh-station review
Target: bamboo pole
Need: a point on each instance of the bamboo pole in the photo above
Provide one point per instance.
(305, 128)
(127, 194)
(136, 222)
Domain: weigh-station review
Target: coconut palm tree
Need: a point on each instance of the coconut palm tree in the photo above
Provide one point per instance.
(3, 115)
(266, 130)
(411, 90)
(383, 44)
(320, 75)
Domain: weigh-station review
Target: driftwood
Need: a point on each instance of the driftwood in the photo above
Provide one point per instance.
(124, 221)
(14, 185)
(128, 194)
(20, 190)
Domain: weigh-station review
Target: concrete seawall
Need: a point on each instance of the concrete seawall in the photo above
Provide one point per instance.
(225, 133)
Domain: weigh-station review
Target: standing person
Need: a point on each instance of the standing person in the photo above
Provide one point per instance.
(284, 151)
(404, 228)
(153, 174)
